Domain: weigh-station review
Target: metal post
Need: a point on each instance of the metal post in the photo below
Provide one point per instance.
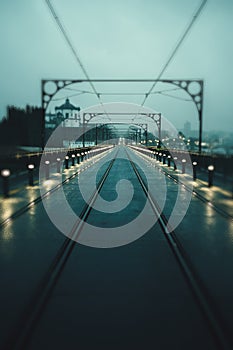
(164, 158)
(5, 182)
(174, 163)
(58, 165)
(194, 171)
(47, 162)
(210, 175)
(30, 174)
(96, 134)
(84, 129)
(73, 159)
(183, 165)
(169, 161)
(67, 162)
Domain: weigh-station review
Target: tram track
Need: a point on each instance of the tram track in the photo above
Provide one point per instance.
(38, 302)
(40, 198)
(42, 296)
(195, 193)
(196, 285)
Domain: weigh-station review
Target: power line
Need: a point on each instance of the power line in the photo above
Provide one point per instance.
(72, 48)
(176, 97)
(62, 29)
(194, 18)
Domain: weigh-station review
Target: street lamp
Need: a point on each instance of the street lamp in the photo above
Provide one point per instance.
(169, 161)
(73, 158)
(30, 174)
(210, 175)
(183, 165)
(58, 165)
(174, 162)
(194, 171)
(5, 173)
(67, 162)
(164, 158)
(47, 162)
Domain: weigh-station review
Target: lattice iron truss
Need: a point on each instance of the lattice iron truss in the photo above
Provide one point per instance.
(194, 88)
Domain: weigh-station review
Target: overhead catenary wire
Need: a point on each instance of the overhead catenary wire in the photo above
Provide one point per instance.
(73, 50)
(150, 91)
(174, 51)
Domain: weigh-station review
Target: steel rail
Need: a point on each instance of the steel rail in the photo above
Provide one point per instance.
(199, 291)
(38, 199)
(21, 334)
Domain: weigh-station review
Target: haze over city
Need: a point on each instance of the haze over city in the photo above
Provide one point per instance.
(123, 39)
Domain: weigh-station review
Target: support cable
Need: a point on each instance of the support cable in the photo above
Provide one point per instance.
(72, 48)
(194, 18)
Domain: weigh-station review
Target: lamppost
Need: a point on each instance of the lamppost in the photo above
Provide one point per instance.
(30, 174)
(194, 171)
(67, 162)
(169, 161)
(5, 173)
(210, 175)
(58, 165)
(47, 162)
(73, 158)
(174, 163)
(164, 158)
(183, 165)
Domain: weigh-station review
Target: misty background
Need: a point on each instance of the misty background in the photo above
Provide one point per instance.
(124, 39)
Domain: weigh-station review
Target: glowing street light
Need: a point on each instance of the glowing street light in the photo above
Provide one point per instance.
(67, 162)
(164, 158)
(183, 165)
(174, 162)
(47, 162)
(210, 175)
(194, 171)
(169, 161)
(5, 173)
(30, 174)
(73, 159)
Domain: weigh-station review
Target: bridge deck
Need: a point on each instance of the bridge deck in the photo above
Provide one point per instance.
(128, 296)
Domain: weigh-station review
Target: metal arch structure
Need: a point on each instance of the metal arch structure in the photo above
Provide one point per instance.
(156, 117)
(141, 125)
(56, 85)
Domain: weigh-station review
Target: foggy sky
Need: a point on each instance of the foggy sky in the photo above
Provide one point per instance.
(120, 39)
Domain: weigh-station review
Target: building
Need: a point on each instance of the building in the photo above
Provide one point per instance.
(69, 114)
(72, 131)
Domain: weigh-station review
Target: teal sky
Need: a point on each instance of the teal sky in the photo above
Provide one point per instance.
(121, 39)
